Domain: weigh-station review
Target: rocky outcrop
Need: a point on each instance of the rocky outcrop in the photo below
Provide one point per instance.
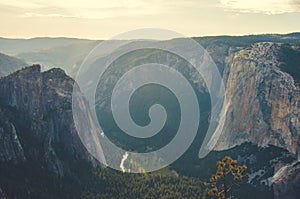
(37, 122)
(286, 182)
(263, 102)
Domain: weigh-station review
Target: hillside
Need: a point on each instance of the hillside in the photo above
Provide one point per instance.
(66, 56)
(9, 64)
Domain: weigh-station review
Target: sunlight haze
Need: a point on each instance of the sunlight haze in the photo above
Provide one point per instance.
(99, 19)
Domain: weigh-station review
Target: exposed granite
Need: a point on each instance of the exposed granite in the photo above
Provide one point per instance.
(263, 101)
(39, 106)
(10, 147)
(286, 182)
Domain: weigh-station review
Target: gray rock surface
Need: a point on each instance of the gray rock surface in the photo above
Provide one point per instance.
(286, 182)
(263, 102)
(10, 147)
(35, 107)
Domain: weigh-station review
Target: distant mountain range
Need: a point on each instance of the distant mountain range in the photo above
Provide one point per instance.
(68, 53)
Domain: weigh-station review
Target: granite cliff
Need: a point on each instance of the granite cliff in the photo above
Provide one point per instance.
(263, 101)
(40, 151)
(36, 119)
(286, 181)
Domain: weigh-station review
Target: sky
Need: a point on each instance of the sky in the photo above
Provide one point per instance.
(102, 19)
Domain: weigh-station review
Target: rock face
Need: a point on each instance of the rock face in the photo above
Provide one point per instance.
(10, 147)
(35, 108)
(286, 182)
(263, 102)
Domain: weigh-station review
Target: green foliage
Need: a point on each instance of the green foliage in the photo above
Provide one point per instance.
(227, 175)
(161, 184)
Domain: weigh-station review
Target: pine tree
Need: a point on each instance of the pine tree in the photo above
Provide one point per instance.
(228, 174)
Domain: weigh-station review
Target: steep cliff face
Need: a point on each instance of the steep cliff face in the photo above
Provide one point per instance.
(263, 102)
(36, 120)
(286, 182)
(41, 154)
(10, 147)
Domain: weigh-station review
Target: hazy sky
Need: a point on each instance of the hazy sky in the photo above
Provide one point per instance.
(103, 19)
